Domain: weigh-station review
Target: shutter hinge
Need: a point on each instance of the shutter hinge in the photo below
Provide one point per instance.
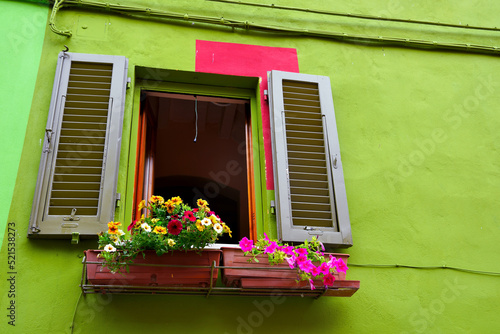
(48, 133)
(266, 95)
(118, 200)
(335, 162)
(273, 208)
(35, 230)
(129, 83)
(75, 238)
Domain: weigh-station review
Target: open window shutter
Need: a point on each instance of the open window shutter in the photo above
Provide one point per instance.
(309, 182)
(77, 177)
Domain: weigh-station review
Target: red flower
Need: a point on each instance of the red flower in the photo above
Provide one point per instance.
(174, 227)
(189, 215)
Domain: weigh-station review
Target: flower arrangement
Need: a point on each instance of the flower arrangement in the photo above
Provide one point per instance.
(167, 226)
(308, 258)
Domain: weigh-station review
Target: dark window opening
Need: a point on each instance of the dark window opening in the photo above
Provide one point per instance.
(197, 147)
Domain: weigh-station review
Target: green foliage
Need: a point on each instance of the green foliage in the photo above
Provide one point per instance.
(166, 226)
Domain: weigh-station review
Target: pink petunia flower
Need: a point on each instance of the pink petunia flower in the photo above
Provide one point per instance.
(315, 270)
(341, 266)
(324, 268)
(288, 250)
(301, 251)
(311, 283)
(246, 244)
(291, 261)
(271, 247)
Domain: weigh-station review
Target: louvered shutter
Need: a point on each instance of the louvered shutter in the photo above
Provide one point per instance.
(76, 186)
(309, 182)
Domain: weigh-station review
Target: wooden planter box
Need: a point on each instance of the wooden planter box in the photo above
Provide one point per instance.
(263, 275)
(170, 269)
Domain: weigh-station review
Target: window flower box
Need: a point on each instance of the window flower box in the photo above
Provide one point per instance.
(178, 268)
(239, 272)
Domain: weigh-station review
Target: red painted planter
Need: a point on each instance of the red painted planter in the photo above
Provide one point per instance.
(155, 273)
(252, 277)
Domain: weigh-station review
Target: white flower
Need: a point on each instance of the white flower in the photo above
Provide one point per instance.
(120, 233)
(146, 227)
(171, 242)
(109, 248)
(119, 242)
(206, 222)
(218, 228)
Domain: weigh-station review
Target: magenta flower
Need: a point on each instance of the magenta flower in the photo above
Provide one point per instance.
(341, 266)
(301, 251)
(333, 261)
(265, 237)
(271, 248)
(306, 266)
(328, 279)
(174, 227)
(315, 270)
(311, 283)
(324, 268)
(246, 244)
(288, 250)
(291, 261)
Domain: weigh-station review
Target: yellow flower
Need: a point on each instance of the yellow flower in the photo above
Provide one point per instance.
(176, 200)
(201, 203)
(142, 218)
(155, 220)
(171, 242)
(157, 200)
(214, 219)
(227, 229)
(160, 230)
(113, 227)
(142, 205)
(199, 225)
(170, 206)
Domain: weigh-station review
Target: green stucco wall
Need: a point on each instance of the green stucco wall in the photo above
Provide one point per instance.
(419, 138)
(22, 28)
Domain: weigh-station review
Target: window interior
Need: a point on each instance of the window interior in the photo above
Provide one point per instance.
(197, 147)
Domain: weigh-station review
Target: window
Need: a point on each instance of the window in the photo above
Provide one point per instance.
(76, 186)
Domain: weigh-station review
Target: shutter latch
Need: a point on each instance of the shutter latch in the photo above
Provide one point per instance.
(48, 133)
(72, 216)
(313, 231)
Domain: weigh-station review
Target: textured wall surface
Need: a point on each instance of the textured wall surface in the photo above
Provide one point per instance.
(418, 131)
(22, 27)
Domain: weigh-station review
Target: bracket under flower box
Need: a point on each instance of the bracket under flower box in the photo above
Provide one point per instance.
(178, 274)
